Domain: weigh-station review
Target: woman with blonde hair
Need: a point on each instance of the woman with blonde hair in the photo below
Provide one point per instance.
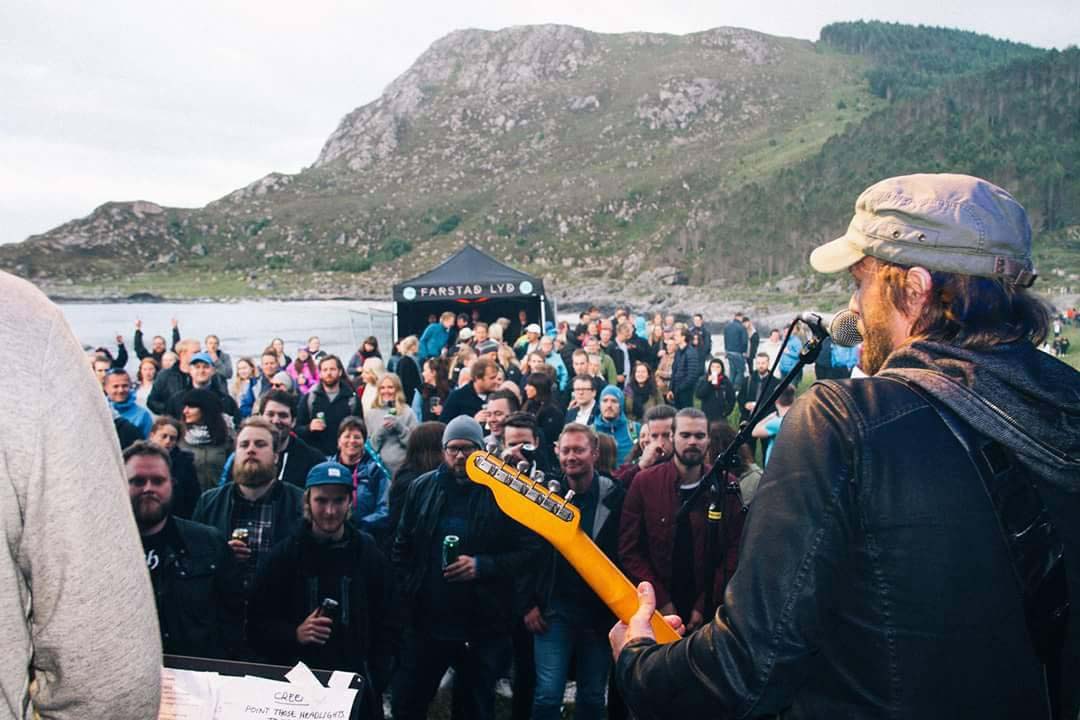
(509, 362)
(389, 422)
(246, 373)
(144, 380)
(367, 388)
(408, 369)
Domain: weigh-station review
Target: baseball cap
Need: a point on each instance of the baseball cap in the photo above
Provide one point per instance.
(950, 223)
(201, 357)
(329, 473)
(532, 328)
(465, 334)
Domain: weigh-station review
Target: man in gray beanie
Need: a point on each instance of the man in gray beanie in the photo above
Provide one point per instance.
(913, 547)
(457, 557)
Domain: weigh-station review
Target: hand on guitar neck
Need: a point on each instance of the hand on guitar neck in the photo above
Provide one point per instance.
(640, 623)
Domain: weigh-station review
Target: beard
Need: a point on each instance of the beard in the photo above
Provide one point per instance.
(149, 510)
(691, 457)
(252, 473)
(877, 342)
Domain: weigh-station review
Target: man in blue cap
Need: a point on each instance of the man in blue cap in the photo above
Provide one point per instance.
(323, 596)
(203, 376)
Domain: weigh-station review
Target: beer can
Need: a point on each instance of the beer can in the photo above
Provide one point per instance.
(240, 534)
(450, 549)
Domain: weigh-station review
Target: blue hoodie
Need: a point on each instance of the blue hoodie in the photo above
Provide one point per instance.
(135, 414)
(624, 431)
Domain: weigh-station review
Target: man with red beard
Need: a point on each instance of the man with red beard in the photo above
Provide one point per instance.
(264, 509)
(912, 548)
(191, 568)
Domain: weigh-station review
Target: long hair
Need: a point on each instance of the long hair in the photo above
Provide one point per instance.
(608, 452)
(541, 382)
(442, 376)
(309, 363)
(212, 417)
(237, 384)
(970, 312)
(423, 451)
(143, 363)
(645, 391)
(399, 392)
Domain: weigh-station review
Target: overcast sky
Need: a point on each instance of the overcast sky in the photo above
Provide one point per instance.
(180, 103)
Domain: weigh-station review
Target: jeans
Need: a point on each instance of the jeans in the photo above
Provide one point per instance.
(424, 661)
(554, 649)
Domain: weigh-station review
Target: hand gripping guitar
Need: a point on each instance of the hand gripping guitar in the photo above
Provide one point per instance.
(553, 518)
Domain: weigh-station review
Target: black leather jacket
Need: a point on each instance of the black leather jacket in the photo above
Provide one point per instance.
(873, 582)
(199, 599)
(504, 551)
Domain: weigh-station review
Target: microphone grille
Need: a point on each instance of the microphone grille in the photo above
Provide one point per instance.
(844, 329)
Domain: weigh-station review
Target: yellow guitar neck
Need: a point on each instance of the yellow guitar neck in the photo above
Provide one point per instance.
(609, 584)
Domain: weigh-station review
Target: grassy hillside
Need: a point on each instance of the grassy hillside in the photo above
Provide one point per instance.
(727, 154)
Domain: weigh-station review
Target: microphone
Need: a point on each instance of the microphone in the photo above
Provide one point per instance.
(844, 329)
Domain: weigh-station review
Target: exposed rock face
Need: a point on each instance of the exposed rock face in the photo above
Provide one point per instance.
(550, 146)
(465, 63)
(678, 102)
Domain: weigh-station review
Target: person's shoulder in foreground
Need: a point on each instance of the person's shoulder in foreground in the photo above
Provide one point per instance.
(78, 626)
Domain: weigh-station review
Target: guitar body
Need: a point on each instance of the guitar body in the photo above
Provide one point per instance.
(554, 519)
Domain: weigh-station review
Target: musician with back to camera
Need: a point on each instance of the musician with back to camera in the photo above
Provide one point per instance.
(876, 576)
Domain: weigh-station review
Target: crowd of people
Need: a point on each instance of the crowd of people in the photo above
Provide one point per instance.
(909, 551)
(294, 508)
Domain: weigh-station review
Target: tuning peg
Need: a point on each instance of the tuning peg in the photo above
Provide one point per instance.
(566, 498)
(523, 467)
(493, 448)
(538, 476)
(554, 486)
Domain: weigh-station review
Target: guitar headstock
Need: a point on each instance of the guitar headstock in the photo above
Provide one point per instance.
(525, 500)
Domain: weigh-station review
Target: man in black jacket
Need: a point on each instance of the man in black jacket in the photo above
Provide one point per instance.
(192, 571)
(685, 371)
(459, 612)
(567, 619)
(755, 388)
(327, 558)
(173, 381)
(256, 503)
(882, 570)
(469, 399)
(157, 345)
(325, 406)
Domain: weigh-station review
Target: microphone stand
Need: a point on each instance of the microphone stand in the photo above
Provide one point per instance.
(715, 481)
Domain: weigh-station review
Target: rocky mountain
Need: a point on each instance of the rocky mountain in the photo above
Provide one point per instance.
(624, 161)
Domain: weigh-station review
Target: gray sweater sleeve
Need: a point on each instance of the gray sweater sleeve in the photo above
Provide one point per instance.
(76, 606)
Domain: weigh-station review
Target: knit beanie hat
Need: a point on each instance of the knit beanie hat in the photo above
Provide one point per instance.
(463, 427)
